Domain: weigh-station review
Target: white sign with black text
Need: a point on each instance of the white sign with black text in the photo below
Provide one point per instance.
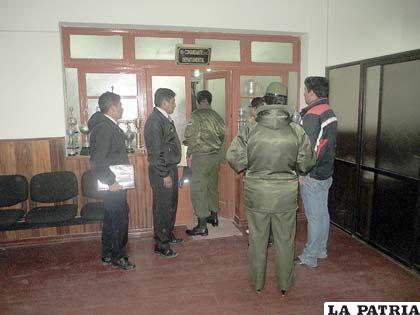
(372, 308)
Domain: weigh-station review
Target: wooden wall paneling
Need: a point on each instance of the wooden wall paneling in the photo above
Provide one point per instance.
(41, 158)
(93, 227)
(9, 235)
(45, 232)
(57, 154)
(134, 196)
(148, 198)
(23, 153)
(138, 207)
(32, 156)
(185, 212)
(63, 230)
(74, 229)
(7, 158)
(141, 192)
(148, 195)
(25, 234)
(227, 209)
(77, 166)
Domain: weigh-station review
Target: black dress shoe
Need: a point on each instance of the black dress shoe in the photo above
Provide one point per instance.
(197, 230)
(297, 261)
(166, 252)
(174, 240)
(106, 260)
(283, 292)
(123, 263)
(213, 219)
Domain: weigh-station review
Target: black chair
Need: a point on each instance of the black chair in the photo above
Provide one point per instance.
(91, 210)
(53, 188)
(13, 191)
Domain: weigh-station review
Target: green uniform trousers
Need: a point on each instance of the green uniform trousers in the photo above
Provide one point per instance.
(204, 184)
(283, 227)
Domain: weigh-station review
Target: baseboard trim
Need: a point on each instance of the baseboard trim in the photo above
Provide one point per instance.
(146, 232)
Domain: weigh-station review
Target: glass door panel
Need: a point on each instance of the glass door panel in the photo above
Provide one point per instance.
(123, 84)
(217, 88)
(344, 100)
(370, 121)
(366, 205)
(400, 126)
(176, 84)
(120, 83)
(178, 81)
(383, 190)
(342, 196)
(217, 83)
(128, 104)
(394, 216)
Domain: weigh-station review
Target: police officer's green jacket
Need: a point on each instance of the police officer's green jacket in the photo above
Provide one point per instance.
(205, 132)
(273, 153)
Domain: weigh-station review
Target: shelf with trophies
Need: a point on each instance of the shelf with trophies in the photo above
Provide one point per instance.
(84, 130)
(80, 132)
(132, 130)
(72, 143)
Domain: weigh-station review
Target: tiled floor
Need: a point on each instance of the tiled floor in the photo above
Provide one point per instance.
(208, 277)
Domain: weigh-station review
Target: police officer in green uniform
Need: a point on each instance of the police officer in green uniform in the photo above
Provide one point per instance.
(273, 154)
(204, 136)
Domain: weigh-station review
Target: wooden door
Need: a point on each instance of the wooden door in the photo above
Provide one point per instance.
(177, 80)
(218, 83)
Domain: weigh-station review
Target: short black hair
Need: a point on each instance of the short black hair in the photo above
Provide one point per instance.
(162, 94)
(257, 102)
(204, 95)
(106, 100)
(319, 85)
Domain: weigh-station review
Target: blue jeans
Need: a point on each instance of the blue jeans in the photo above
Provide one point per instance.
(315, 200)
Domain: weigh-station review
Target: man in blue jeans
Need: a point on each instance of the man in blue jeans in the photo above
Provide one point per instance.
(320, 124)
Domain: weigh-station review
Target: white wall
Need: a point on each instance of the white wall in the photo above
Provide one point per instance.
(30, 59)
(361, 29)
(335, 31)
(31, 85)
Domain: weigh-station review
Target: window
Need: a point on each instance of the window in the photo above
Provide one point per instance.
(121, 83)
(272, 52)
(156, 48)
(253, 86)
(221, 49)
(96, 47)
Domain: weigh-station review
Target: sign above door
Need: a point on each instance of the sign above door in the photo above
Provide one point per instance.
(192, 55)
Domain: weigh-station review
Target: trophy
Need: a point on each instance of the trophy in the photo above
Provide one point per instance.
(72, 134)
(129, 137)
(84, 130)
(139, 144)
(242, 115)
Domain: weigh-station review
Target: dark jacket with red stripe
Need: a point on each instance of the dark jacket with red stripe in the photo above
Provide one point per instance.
(320, 124)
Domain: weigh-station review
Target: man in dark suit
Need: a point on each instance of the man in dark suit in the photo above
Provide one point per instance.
(107, 145)
(164, 153)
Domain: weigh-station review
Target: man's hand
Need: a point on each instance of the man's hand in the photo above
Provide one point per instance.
(189, 160)
(301, 179)
(115, 187)
(167, 182)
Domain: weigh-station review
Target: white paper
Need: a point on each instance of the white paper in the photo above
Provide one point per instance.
(124, 175)
(183, 161)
